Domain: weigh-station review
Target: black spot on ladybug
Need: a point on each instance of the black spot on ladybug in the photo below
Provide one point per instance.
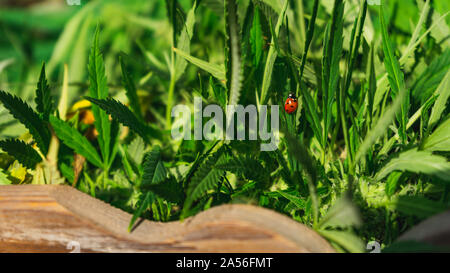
(292, 106)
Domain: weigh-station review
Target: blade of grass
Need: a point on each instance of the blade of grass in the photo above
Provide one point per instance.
(271, 57)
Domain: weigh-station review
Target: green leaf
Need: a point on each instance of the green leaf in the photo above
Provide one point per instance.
(342, 214)
(301, 154)
(151, 169)
(429, 80)
(136, 149)
(297, 201)
(205, 178)
(395, 75)
(145, 204)
(417, 206)
(73, 139)
(256, 38)
(271, 57)
(184, 41)
(346, 239)
(169, 190)
(215, 70)
(309, 35)
(21, 151)
(250, 167)
(130, 88)
(332, 52)
(22, 112)
(98, 89)
(4, 179)
(312, 116)
(234, 65)
(443, 93)
(397, 82)
(123, 114)
(393, 182)
(439, 140)
(44, 100)
(417, 162)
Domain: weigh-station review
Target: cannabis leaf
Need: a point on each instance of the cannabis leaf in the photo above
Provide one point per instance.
(22, 112)
(72, 138)
(21, 151)
(44, 100)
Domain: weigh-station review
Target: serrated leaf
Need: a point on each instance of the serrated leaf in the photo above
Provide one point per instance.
(439, 140)
(21, 151)
(417, 162)
(98, 89)
(153, 173)
(297, 201)
(205, 178)
(123, 114)
(342, 214)
(130, 88)
(417, 206)
(249, 167)
(22, 112)
(44, 100)
(73, 139)
(136, 149)
(234, 65)
(145, 204)
(184, 41)
(430, 79)
(169, 190)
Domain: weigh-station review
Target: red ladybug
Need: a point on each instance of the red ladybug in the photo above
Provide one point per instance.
(291, 104)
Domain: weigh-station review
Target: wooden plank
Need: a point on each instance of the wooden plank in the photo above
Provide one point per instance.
(48, 218)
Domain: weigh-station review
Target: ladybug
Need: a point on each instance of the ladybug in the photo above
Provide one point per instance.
(291, 104)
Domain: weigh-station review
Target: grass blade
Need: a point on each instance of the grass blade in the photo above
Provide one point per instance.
(271, 57)
(215, 70)
(233, 63)
(443, 93)
(396, 76)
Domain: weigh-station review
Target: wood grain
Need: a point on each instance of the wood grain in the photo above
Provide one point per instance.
(47, 218)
